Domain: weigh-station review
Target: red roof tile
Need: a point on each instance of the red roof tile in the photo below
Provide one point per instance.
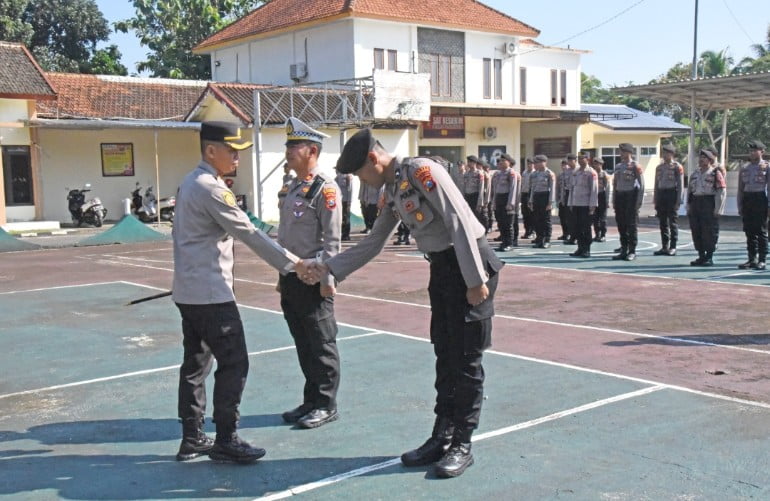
(282, 14)
(20, 75)
(109, 97)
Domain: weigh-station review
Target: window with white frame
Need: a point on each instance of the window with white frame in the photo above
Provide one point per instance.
(563, 88)
(648, 151)
(487, 78)
(392, 60)
(611, 157)
(379, 59)
(440, 75)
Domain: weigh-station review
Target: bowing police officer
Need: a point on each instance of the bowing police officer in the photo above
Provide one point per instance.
(463, 279)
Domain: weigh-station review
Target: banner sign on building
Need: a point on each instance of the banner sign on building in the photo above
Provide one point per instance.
(117, 159)
(444, 127)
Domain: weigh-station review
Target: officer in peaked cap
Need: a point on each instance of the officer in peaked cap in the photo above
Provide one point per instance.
(311, 226)
(206, 221)
(668, 195)
(506, 193)
(627, 197)
(753, 186)
(463, 280)
(604, 186)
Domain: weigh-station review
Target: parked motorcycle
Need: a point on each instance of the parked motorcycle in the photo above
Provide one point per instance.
(146, 207)
(82, 211)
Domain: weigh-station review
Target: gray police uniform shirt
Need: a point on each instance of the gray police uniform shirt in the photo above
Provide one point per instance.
(474, 182)
(563, 184)
(311, 218)
(206, 220)
(605, 183)
(628, 177)
(542, 182)
(669, 177)
(345, 184)
(708, 183)
(584, 191)
(507, 181)
(753, 178)
(368, 195)
(425, 198)
(525, 181)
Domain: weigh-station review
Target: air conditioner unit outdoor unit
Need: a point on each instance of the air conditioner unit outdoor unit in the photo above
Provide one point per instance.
(490, 132)
(510, 48)
(297, 71)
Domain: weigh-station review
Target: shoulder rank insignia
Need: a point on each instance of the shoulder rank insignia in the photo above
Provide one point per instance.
(425, 177)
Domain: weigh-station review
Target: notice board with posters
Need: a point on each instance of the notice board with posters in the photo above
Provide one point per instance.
(117, 159)
(553, 147)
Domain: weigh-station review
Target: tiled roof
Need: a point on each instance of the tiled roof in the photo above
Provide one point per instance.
(20, 75)
(110, 97)
(278, 15)
(640, 121)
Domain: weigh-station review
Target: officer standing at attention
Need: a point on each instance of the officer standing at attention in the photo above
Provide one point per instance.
(562, 196)
(627, 197)
(705, 202)
(526, 212)
(668, 195)
(207, 218)
(542, 194)
(345, 184)
(310, 228)
(506, 186)
(488, 204)
(474, 187)
(604, 186)
(583, 198)
(368, 198)
(463, 279)
(753, 183)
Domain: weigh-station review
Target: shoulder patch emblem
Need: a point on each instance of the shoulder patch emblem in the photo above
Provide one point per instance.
(229, 198)
(330, 195)
(425, 177)
(419, 216)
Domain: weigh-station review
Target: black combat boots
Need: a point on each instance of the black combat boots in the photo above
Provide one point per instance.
(434, 448)
(230, 448)
(195, 443)
(458, 458)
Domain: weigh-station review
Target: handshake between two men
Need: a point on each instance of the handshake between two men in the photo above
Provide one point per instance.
(312, 271)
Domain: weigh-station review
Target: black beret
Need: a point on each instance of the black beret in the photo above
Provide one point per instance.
(756, 145)
(540, 158)
(627, 147)
(529, 160)
(669, 148)
(598, 160)
(224, 132)
(473, 158)
(354, 153)
(571, 156)
(707, 153)
(484, 163)
(506, 156)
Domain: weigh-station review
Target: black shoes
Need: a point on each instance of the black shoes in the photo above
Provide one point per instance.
(662, 252)
(620, 257)
(571, 241)
(672, 251)
(293, 415)
(317, 417)
(749, 264)
(577, 253)
(630, 256)
(545, 245)
(233, 449)
(194, 446)
(760, 265)
(456, 460)
(431, 451)
(598, 238)
(504, 248)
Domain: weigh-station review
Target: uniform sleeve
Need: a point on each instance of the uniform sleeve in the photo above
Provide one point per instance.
(442, 195)
(640, 178)
(721, 193)
(345, 263)
(741, 186)
(679, 184)
(551, 188)
(513, 192)
(594, 200)
(222, 207)
(614, 188)
(655, 187)
(330, 218)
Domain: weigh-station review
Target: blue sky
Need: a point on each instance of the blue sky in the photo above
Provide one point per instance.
(630, 40)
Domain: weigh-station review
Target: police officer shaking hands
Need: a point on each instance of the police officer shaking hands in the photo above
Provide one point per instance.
(463, 280)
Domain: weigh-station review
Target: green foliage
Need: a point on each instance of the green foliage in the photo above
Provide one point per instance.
(12, 27)
(171, 28)
(107, 62)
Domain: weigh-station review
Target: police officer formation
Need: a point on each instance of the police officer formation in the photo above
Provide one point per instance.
(583, 191)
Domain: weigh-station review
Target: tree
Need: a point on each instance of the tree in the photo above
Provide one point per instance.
(12, 27)
(171, 28)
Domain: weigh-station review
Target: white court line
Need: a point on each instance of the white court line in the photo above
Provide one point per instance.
(161, 369)
(301, 489)
(59, 287)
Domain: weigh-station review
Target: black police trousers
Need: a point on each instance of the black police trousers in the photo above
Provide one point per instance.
(473, 202)
(565, 218)
(754, 215)
(369, 213)
(542, 215)
(600, 215)
(627, 218)
(460, 333)
(702, 221)
(345, 221)
(581, 228)
(666, 207)
(526, 214)
(312, 325)
(212, 331)
(505, 220)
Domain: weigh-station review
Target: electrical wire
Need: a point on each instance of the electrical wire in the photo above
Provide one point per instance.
(738, 22)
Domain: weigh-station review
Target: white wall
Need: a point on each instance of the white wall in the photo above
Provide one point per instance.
(539, 64)
(267, 60)
(483, 45)
(13, 111)
(370, 35)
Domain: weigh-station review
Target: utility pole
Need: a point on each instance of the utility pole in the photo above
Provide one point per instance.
(691, 149)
